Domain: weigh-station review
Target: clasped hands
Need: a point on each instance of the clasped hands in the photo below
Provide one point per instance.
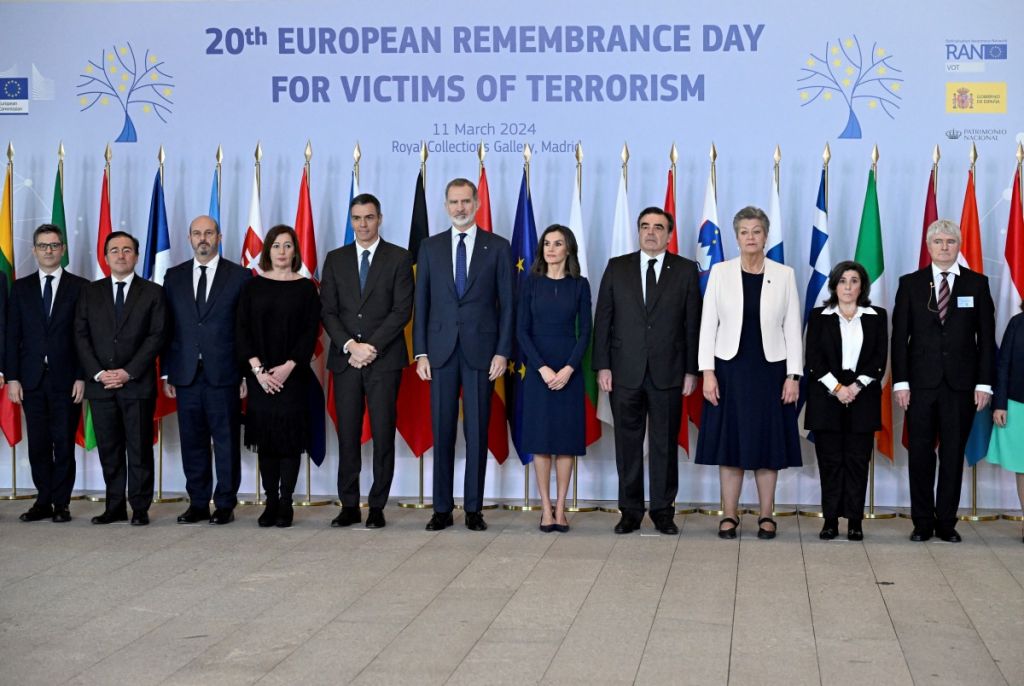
(361, 354)
(113, 378)
(556, 381)
(272, 380)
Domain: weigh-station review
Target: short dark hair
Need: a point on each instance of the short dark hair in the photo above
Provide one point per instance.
(265, 262)
(656, 210)
(457, 183)
(47, 228)
(837, 273)
(120, 234)
(572, 260)
(364, 199)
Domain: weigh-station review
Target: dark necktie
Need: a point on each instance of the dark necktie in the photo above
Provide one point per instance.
(652, 283)
(201, 289)
(944, 297)
(460, 266)
(48, 296)
(364, 270)
(119, 302)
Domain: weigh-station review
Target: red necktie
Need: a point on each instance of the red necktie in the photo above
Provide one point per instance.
(943, 297)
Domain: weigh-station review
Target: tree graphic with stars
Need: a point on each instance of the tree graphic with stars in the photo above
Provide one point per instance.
(120, 77)
(844, 70)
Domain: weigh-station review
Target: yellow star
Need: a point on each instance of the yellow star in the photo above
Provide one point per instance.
(152, 59)
(810, 61)
(123, 50)
(167, 91)
(113, 69)
(803, 95)
(104, 100)
(850, 70)
(827, 96)
(873, 104)
(88, 69)
(882, 70)
(120, 87)
(110, 57)
(846, 82)
(880, 52)
(522, 370)
(511, 367)
(83, 100)
(896, 86)
(152, 77)
(835, 49)
(849, 42)
(124, 77)
(519, 265)
(146, 108)
(837, 63)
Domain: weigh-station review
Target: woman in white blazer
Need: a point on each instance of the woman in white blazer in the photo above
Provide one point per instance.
(751, 355)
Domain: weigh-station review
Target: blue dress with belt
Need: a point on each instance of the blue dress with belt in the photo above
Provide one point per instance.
(553, 328)
(750, 428)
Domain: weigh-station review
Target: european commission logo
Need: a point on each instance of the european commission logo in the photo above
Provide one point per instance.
(133, 85)
(858, 78)
(14, 96)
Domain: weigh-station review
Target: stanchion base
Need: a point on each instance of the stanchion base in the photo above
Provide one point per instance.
(362, 504)
(811, 511)
(713, 509)
(519, 506)
(1014, 516)
(610, 508)
(903, 512)
(251, 499)
(96, 497)
(780, 510)
(79, 495)
(8, 494)
(967, 515)
(168, 498)
(485, 505)
(416, 504)
(581, 506)
(879, 513)
(314, 501)
(686, 508)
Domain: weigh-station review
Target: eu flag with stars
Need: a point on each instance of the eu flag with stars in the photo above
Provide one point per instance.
(524, 243)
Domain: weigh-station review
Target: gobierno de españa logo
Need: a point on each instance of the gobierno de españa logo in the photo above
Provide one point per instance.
(119, 77)
(859, 80)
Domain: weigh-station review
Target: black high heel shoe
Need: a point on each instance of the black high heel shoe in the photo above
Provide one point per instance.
(763, 533)
(731, 531)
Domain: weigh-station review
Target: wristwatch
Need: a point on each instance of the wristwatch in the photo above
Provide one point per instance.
(793, 377)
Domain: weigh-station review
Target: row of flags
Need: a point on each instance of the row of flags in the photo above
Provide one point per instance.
(413, 417)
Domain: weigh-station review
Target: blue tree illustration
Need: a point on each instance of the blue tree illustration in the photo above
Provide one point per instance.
(119, 77)
(844, 69)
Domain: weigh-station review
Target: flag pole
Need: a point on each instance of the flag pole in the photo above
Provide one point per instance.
(576, 506)
(1018, 515)
(220, 160)
(255, 499)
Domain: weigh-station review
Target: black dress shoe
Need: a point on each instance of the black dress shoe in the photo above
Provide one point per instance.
(475, 521)
(626, 525)
(194, 515)
(766, 534)
(347, 517)
(285, 515)
(222, 516)
(854, 534)
(439, 521)
(269, 515)
(140, 518)
(561, 528)
(110, 517)
(61, 514)
(731, 531)
(830, 530)
(920, 535)
(666, 526)
(950, 536)
(37, 513)
(375, 518)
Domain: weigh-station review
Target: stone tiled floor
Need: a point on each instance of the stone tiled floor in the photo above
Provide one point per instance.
(172, 604)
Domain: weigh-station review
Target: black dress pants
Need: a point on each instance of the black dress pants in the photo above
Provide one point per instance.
(843, 459)
(51, 419)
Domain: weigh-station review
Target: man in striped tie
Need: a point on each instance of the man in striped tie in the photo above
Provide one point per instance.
(943, 365)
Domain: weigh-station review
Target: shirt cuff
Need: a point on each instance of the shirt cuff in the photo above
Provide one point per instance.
(829, 381)
(97, 377)
(901, 386)
(419, 356)
(865, 379)
(984, 388)
(344, 348)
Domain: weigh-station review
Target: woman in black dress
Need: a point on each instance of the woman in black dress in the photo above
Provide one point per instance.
(277, 325)
(553, 329)
(847, 348)
(751, 354)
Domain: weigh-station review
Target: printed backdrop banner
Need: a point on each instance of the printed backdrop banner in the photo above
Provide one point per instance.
(393, 76)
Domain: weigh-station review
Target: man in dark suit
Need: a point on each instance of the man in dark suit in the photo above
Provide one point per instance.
(120, 324)
(366, 293)
(462, 337)
(202, 371)
(43, 374)
(646, 329)
(943, 352)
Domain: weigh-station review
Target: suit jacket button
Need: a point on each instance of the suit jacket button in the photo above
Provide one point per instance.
(359, 316)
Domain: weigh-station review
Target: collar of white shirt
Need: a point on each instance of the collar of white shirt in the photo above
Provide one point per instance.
(937, 272)
(127, 281)
(470, 233)
(372, 249)
(211, 266)
(860, 311)
(56, 274)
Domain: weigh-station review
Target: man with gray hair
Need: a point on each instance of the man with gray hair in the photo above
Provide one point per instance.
(943, 365)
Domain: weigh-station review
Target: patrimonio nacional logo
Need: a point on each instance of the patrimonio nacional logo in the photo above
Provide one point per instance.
(845, 72)
(118, 77)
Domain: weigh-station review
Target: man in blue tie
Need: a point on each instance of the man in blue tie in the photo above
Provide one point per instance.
(462, 337)
(366, 294)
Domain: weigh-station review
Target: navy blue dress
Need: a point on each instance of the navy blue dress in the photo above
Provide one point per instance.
(750, 428)
(547, 316)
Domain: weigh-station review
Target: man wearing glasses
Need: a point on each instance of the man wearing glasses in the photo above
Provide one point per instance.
(43, 374)
(119, 330)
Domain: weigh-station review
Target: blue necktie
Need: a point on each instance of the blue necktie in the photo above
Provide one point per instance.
(48, 296)
(460, 266)
(364, 270)
(119, 302)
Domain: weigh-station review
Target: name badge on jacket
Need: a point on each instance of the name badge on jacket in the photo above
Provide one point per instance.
(965, 301)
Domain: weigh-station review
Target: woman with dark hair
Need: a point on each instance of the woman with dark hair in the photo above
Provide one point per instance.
(1007, 446)
(277, 325)
(553, 329)
(847, 348)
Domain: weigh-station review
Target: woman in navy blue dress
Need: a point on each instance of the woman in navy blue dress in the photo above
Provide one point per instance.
(553, 329)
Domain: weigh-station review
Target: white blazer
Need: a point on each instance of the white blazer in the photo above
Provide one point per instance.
(722, 316)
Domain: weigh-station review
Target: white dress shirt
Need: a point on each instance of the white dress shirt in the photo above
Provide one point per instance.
(359, 261)
(852, 333)
(56, 274)
(470, 242)
(659, 261)
(211, 269)
(127, 281)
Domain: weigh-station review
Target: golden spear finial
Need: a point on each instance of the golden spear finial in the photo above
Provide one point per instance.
(60, 151)
(309, 151)
(874, 159)
(826, 154)
(220, 155)
(777, 158)
(579, 168)
(10, 152)
(936, 154)
(481, 152)
(259, 151)
(673, 154)
(108, 154)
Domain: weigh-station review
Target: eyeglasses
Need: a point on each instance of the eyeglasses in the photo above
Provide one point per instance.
(46, 247)
(121, 251)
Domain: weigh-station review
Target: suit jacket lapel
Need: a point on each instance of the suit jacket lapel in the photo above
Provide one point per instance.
(667, 274)
(214, 289)
(635, 280)
(129, 301)
(61, 298)
(446, 262)
(480, 246)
